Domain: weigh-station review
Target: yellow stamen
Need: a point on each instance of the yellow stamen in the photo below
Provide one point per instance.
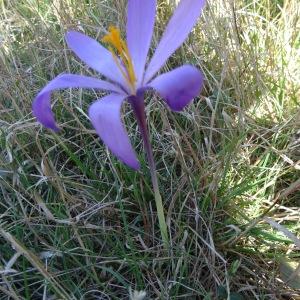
(119, 48)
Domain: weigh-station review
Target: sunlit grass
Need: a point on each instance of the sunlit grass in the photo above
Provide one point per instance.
(77, 224)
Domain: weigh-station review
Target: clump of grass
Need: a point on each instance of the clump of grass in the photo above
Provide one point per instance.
(77, 224)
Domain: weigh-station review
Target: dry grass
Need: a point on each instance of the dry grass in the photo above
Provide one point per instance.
(77, 224)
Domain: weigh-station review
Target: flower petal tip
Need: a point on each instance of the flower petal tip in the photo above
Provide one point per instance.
(71, 33)
(42, 111)
(135, 166)
(105, 116)
(179, 86)
(55, 129)
(72, 37)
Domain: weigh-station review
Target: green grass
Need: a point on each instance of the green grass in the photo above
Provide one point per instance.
(77, 224)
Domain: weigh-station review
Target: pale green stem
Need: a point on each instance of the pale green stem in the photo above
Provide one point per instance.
(139, 110)
(158, 200)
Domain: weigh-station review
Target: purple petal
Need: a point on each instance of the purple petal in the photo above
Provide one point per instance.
(94, 55)
(178, 28)
(105, 115)
(140, 23)
(41, 105)
(179, 86)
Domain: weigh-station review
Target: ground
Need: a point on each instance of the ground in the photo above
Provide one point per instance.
(75, 223)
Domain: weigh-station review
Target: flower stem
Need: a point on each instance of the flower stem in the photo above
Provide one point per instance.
(138, 105)
(157, 196)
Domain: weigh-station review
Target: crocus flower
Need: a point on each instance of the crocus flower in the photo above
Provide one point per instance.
(123, 63)
(128, 75)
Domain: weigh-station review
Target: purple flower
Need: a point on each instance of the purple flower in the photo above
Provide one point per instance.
(123, 64)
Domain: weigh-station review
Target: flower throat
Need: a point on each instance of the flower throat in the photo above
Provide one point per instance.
(118, 48)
